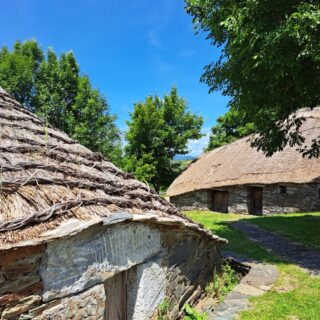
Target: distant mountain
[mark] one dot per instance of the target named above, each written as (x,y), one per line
(180,158)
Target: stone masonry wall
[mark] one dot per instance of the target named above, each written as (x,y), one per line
(20,284)
(191,262)
(76,263)
(65,279)
(238,199)
(197,200)
(298,198)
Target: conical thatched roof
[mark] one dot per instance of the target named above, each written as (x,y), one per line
(50,182)
(239,164)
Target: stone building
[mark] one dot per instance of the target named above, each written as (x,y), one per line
(237,178)
(80,239)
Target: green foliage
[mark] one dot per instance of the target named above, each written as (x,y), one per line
(144,168)
(222,283)
(229,128)
(192,314)
(158,130)
(91,122)
(163,309)
(269,63)
(55,90)
(18,69)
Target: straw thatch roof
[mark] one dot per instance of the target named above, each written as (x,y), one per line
(239,164)
(50,182)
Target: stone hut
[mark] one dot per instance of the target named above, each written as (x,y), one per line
(237,178)
(80,239)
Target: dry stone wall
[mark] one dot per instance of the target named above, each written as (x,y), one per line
(197,200)
(66,278)
(191,262)
(20,285)
(298,198)
(87,305)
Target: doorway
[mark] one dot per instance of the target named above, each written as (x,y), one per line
(255,200)
(220,201)
(116,297)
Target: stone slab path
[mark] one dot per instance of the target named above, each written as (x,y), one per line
(260,279)
(282,247)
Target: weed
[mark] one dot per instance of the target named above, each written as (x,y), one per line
(163,309)
(222,284)
(192,314)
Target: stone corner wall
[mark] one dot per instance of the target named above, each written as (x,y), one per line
(191,262)
(20,284)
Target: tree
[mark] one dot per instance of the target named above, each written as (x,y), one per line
(57,85)
(18,69)
(229,127)
(269,65)
(55,90)
(91,123)
(159,129)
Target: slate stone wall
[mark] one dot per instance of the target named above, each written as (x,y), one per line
(74,264)
(191,263)
(298,198)
(20,284)
(66,278)
(147,286)
(197,200)
(238,200)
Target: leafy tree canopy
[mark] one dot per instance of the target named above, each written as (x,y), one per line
(55,90)
(159,129)
(229,127)
(269,63)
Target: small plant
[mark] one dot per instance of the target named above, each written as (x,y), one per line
(222,284)
(192,314)
(163,309)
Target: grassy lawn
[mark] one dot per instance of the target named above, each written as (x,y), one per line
(296,295)
(303,228)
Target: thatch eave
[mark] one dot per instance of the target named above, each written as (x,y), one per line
(52,187)
(74,226)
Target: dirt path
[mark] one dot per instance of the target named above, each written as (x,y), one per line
(282,247)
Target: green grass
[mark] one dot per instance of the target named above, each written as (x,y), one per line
(296,295)
(301,227)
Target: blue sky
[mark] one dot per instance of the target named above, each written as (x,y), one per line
(129,49)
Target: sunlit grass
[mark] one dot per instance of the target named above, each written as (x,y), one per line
(301,227)
(296,295)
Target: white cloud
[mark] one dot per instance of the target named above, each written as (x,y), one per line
(196,146)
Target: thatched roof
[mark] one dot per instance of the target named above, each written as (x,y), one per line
(239,164)
(50,182)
